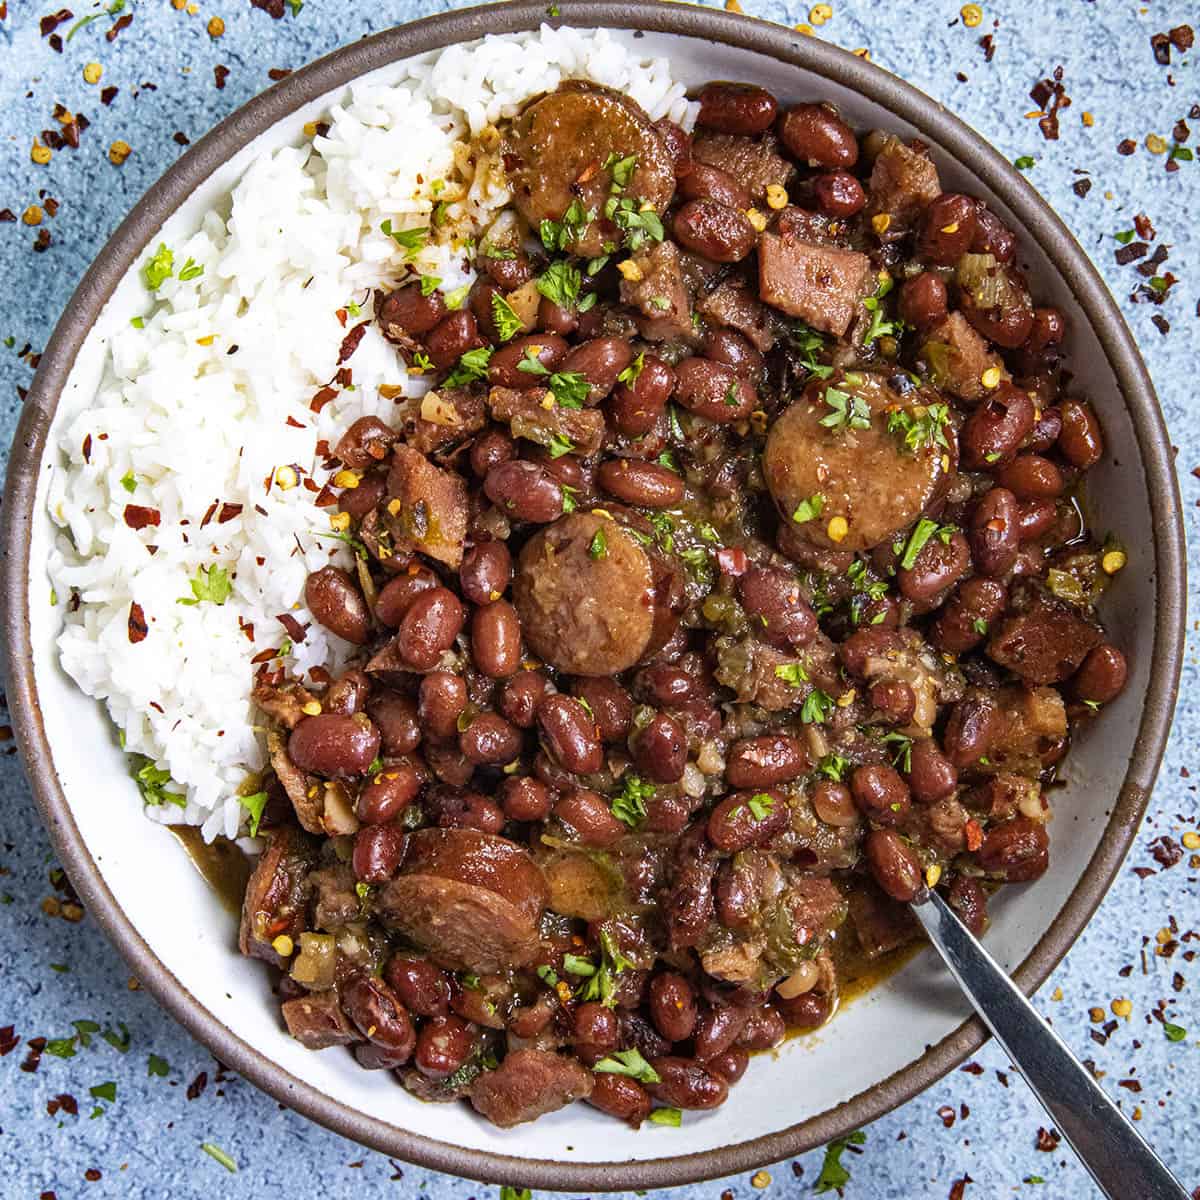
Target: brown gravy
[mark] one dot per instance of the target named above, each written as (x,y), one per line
(223,865)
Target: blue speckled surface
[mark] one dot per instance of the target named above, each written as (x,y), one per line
(147,1141)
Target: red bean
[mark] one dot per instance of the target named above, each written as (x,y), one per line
(490,740)
(406,313)
(637,407)
(429,628)
(599,360)
(969,900)
(423,988)
(894,699)
(995,532)
(973,727)
(731,1065)
(524,490)
(1081,442)
(443,1046)
(1046,428)
(672,1004)
(736,108)
(335,602)
(397,595)
(763,762)
(443,699)
(1102,676)
(596,1028)
(966,617)
(645,484)
(992,236)
(620,1097)
(520,696)
(711,183)
(587,812)
(1049,329)
(948,228)
(569,734)
(734,825)
(839,194)
(496,640)
(938,565)
(1031,477)
(378,850)
(779,613)
(504,367)
(510,272)
(486,572)
(993,433)
(712,390)
(466,810)
(863,645)
(347,694)
(661,749)
(880,793)
(714,231)
(396,718)
(931,775)
(380,1017)
(923,299)
(491,448)
(894,864)
(611,705)
(524,798)
(815,134)
(717,1030)
(1017,850)
(388,793)
(764,1029)
(1035,518)
(731,348)
(833,804)
(334,746)
(451,338)
(358,501)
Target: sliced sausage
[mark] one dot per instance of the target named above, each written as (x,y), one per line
(276,899)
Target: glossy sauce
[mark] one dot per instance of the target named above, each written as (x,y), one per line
(223,865)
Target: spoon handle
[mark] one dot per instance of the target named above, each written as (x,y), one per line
(1113,1151)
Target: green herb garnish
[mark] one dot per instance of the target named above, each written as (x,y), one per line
(792,673)
(160,268)
(471,366)
(409,240)
(599,546)
(191,270)
(211,586)
(810,509)
(254,805)
(816,707)
(560,283)
(849,412)
(629,804)
(834,1176)
(508,324)
(630,1063)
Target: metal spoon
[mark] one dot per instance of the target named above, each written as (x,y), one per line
(1115,1154)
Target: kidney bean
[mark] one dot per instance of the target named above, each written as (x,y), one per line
(666,686)
(525,490)
(717,1029)
(736,108)
(448,763)
(528,1020)
(993,433)
(731,348)
(595,1027)
(423,988)
(948,228)
(737,896)
(894,864)
(733,826)
(661,750)
(566,470)
(395,716)
(815,134)
(966,617)
(839,194)
(611,705)
(466,810)
(365,443)
(442,700)
(451,338)
(894,699)
(969,900)
(923,299)
(779,613)
(388,793)
(1035,518)
(358,501)
(764,1029)
(1017,850)
(880,793)
(1046,428)
(645,484)
(599,360)
(556,318)
(678,144)
(863,645)
(703,182)
(483,309)
(995,532)
(992,236)
(1049,329)
(334,746)
(931,775)
(973,727)
(496,640)
(490,739)
(672,1004)
(569,734)
(806,1011)
(396,596)
(1080,442)
(714,231)
(443,1046)
(406,313)
(375,1058)
(380,1017)
(508,273)
(491,448)
(378,850)
(763,762)
(504,366)
(1031,477)
(731,1065)
(484,1003)
(635,409)
(429,628)
(524,798)
(637,1031)
(938,566)
(1006,323)
(1102,675)
(833,804)
(335,602)
(712,390)
(348,693)
(620,1097)
(587,813)
(486,572)
(520,696)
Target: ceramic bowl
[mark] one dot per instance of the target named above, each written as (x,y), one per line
(883,1048)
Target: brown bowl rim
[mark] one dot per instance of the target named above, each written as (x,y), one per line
(949,135)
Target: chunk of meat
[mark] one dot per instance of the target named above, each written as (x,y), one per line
(556,150)
(533,414)
(881,923)
(822,285)
(903,656)
(335,902)
(733,304)
(527,1085)
(755,163)
(316,1021)
(734,960)
(760,674)
(472,900)
(426,507)
(866,476)
(276,900)
(958,357)
(904,181)
(1044,641)
(660,293)
(283,702)
(592,600)
(1034,721)
(442,418)
(307,801)
(813,908)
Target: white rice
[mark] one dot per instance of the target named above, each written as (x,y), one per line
(197,423)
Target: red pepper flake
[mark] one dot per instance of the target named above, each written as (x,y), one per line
(51,205)
(1144,872)
(296,424)
(1166,851)
(344,377)
(34,1058)
(220,74)
(273,8)
(64,1101)
(326,498)
(278,73)
(1130,1085)
(296,631)
(342,316)
(8,1040)
(1161,324)
(351,340)
(108,95)
(1048,1139)
(974,835)
(321,676)
(1050,95)
(1131,253)
(263,656)
(138,629)
(946,1113)
(1144,227)
(196,1087)
(988,43)
(50,23)
(1126,147)
(119,24)
(228,512)
(7,215)
(958,1188)
(87,448)
(180,138)
(92,1175)
(137,517)
(322,398)
(208,516)
(732,561)
(42,241)
(973,1068)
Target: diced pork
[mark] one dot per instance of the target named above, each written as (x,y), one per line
(533,414)
(821,285)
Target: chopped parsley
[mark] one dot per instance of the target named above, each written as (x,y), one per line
(138,322)
(558,235)
(922,532)
(731,395)
(1024,162)
(848,412)
(601,985)
(569,389)
(531,364)
(191,270)
(506,1192)
(573,964)
(667,459)
(761,805)
(922,426)
(666,1116)
(569,494)
(902,757)
(816,707)
(454,300)
(160,268)
(208,1148)
(1173,1033)
(629,376)
(807,341)
(211,585)
(596,265)
(508,324)
(833,766)
(560,283)
(629,804)
(834,1176)
(636,223)
(810,509)
(631,1063)
(1125,236)
(471,366)
(548,975)
(792,673)
(152,782)
(157,1066)
(497,253)
(430,284)
(558,446)
(879,326)
(599,546)
(129,482)
(354,308)
(104,1091)
(980,626)
(409,240)
(254,805)
(622,170)
(422,362)
(118,1041)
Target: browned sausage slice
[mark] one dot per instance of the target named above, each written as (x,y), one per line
(276,897)
(472,900)
(557,149)
(586,591)
(865,476)
(527,1085)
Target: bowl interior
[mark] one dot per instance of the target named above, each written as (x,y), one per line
(185,927)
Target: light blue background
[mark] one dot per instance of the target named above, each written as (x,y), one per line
(147,1143)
